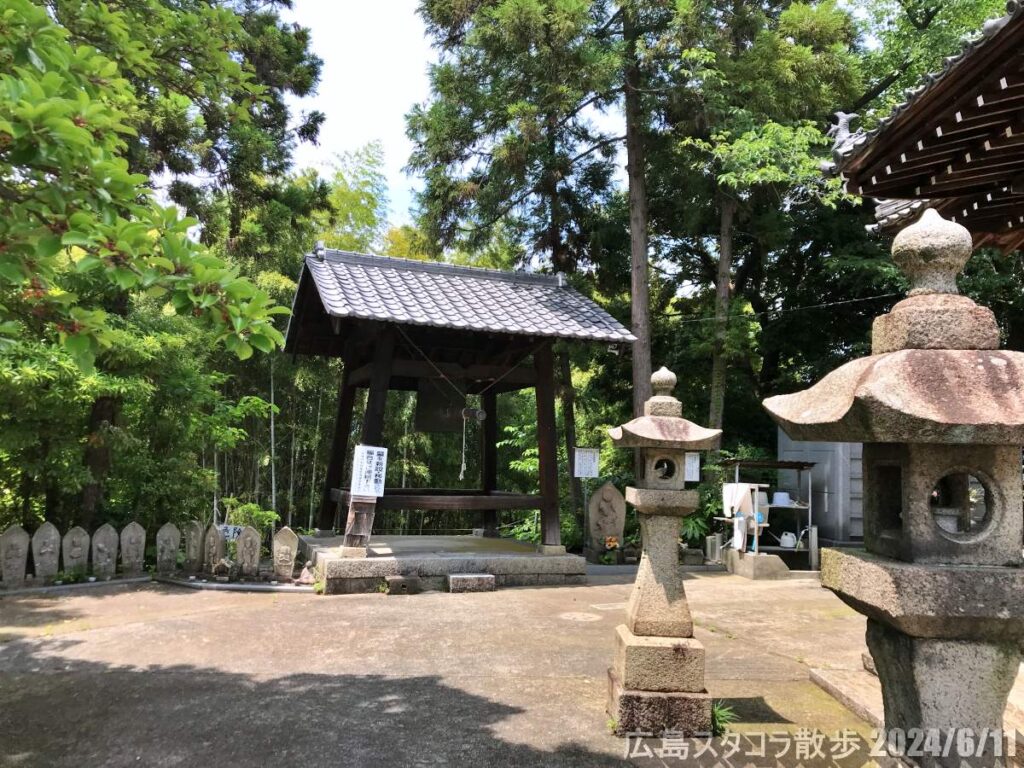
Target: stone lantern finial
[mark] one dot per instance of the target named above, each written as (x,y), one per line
(663,381)
(932,253)
(662,403)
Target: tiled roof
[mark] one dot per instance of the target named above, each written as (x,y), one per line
(448,296)
(895,213)
(849,146)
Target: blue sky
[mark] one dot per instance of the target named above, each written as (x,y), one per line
(375,59)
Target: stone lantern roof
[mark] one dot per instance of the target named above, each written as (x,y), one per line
(663,425)
(936,375)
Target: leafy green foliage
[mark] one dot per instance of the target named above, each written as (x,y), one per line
(78,225)
(509,136)
(237,513)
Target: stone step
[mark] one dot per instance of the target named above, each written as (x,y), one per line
(861,693)
(856,689)
(471,582)
(404,585)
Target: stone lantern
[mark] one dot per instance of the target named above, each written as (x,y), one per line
(657,680)
(940,411)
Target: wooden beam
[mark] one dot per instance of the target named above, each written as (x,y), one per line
(359,522)
(474,502)
(522,376)
(383,359)
(989,70)
(993,223)
(1015,245)
(987,152)
(339,451)
(489,453)
(547,440)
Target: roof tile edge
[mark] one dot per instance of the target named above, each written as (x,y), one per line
(436,267)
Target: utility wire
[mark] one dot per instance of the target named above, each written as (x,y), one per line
(712,318)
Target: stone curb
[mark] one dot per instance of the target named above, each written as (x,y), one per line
(842,691)
(80,585)
(234,586)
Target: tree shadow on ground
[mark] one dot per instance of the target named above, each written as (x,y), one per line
(58,711)
(754,709)
(31,612)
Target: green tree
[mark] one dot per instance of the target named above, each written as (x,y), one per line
(754,87)
(508,136)
(77,225)
(356,219)
(910,38)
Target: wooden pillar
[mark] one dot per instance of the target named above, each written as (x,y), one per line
(489,465)
(543,363)
(359,523)
(380,377)
(339,450)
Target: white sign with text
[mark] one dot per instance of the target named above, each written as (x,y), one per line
(369,466)
(587,461)
(231,532)
(692,469)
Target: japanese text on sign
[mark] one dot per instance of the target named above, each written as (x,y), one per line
(692,469)
(368,469)
(587,460)
(231,532)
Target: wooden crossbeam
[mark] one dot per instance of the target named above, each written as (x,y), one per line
(424,370)
(994,222)
(996,156)
(989,76)
(1007,153)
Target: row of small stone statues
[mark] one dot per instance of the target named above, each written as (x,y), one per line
(47,550)
(205,549)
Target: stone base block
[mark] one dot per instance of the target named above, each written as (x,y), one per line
(550,549)
(366,574)
(688,556)
(404,585)
(353,586)
(667,664)
(984,603)
(471,582)
(539,580)
(947,686)
(935,321)
(652,712)
(676,503)
(356,552)
(759,567)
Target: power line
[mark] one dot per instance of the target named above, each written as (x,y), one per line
(711,318)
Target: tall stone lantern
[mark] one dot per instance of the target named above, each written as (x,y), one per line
(657,680)
(940,411)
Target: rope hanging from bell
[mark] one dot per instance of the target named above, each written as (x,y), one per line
(475,414)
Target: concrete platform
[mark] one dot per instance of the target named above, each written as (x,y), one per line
(434,558)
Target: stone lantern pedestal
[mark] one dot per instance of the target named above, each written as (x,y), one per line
(656,682)
(940,410)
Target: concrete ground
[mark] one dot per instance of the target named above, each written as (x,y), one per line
(157,676)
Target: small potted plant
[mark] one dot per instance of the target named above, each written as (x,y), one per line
(611,550)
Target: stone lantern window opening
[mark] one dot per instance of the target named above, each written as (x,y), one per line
(664,468)
(888,497)
(961,505)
